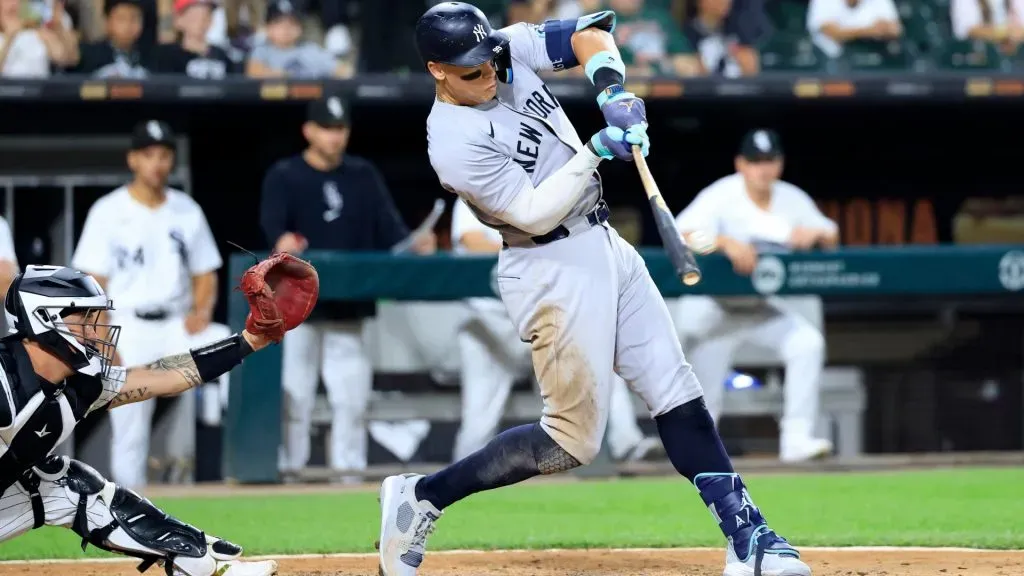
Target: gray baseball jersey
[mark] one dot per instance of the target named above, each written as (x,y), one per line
(486,153)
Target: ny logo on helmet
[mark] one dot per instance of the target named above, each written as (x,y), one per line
(479,33)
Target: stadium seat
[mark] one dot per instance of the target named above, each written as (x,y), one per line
(792,52)
(877,56)
(924,27)
(970,55)
(788,16)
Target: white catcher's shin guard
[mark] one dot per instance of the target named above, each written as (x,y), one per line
(74,495)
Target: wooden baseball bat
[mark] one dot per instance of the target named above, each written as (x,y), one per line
(678,252)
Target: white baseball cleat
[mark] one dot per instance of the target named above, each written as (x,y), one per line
(405,524)
(768,554)
(242,568)
(794,449)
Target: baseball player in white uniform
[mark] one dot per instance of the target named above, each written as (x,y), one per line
(746,213)
(492,357)
(151,249)
(579,294)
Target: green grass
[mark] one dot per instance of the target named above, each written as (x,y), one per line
(968,508)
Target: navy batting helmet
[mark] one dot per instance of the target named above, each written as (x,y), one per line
(459,34)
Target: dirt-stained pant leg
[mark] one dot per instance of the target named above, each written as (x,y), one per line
(647,351)
(562,298)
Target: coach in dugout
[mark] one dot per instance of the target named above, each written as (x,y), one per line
(747,213)
(325,199)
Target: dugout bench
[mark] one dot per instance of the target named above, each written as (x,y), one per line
(252,431)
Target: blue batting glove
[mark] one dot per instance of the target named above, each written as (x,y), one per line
(622,109)
(613,142)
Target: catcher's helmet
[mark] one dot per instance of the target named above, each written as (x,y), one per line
(459,34)
(38,305)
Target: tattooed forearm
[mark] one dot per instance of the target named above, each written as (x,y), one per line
(182,364)
(133,395)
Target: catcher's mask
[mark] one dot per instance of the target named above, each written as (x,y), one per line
(60,309)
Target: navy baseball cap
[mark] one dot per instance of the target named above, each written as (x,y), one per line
(760,145)
(328,112)
(283,9)
(152,133)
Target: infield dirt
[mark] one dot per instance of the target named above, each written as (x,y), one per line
(605,563)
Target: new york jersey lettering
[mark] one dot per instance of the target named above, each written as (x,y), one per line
(541,103)
(528,147)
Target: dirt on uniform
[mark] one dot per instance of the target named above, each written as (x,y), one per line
(605,563)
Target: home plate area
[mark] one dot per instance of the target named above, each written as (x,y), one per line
(647,562)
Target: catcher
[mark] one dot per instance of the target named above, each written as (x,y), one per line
(57,368)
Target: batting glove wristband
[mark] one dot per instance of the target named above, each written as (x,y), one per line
(622,109)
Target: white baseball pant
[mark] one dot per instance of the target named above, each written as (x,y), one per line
(716,331)
(589,306)
(142,342)
(492,358)
(335,352)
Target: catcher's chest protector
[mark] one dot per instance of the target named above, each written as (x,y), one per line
(35,415)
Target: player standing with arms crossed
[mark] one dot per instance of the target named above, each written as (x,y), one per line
(578,293)
(151,249)
(57,367)
(746,213)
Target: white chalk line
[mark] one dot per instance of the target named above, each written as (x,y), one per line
(362,555)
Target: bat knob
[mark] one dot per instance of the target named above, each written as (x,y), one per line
(691,278)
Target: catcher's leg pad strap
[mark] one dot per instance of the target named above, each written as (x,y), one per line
(217,358)
(118,520)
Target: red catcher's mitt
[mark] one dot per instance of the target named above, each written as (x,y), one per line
(281,291)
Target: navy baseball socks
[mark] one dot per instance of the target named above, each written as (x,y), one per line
(513,456)
(696,451)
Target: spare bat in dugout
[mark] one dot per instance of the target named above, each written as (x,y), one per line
(678,252)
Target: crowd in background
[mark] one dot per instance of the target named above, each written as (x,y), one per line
(211,39)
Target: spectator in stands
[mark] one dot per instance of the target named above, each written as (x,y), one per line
(725,33)
(325,199)
(493,357)
(283,54)
(650,41)
(1000,22)
(834,22)
(119,55)
(334,19)
(192,54)
(30,45)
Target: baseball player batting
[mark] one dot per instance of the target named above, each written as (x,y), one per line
(56,368)
(579,294)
